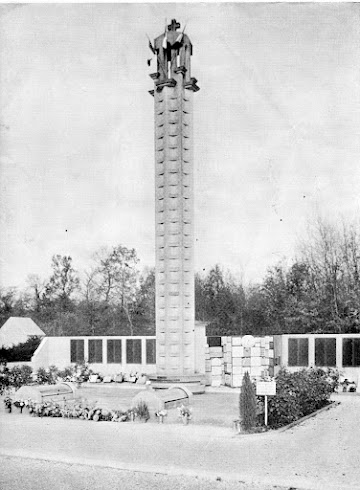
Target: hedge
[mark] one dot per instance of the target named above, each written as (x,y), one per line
(299,394)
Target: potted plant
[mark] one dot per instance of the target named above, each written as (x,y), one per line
(142,411)
(161,414)
(132,414)
(237,425)
(185,414)
(20,404)
(8,404)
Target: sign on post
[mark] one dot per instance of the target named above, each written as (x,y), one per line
(266,388)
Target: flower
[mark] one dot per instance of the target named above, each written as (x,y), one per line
(184,411)
(161,413)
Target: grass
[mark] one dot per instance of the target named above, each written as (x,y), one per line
(215,409)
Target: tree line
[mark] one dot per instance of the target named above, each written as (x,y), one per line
(319,291)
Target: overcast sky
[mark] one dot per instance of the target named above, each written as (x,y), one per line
(276,136)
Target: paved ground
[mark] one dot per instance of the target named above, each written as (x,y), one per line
(30,474)
(322,453)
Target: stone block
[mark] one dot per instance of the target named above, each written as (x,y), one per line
(216,371)
(237,351)
(246,362)
(237,370)
(216,352)
(255,361)
(264,361)
(236,341)
(256,371)
(247,352)
(237,361)
(256,352)
(216,361)
(207,365)
(227,357)
(271,353)
(107,379)
(228,379)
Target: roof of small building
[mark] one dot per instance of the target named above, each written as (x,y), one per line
(18,327)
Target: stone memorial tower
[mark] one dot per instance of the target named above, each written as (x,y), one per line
(176,338)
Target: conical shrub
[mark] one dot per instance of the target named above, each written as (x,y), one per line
(247,403)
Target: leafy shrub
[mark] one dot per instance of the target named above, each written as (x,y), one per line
(247,403)
(83,372)
(47,376)
(142,411)
(4,380)
(20,375)
(298,394)
(15,377)
(67,373)
(79,372)
(333,376)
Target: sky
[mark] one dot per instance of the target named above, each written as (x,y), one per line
(276,130)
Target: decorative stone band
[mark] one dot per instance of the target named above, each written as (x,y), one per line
(192,85)
(170,82)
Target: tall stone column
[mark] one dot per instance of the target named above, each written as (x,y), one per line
(174,208)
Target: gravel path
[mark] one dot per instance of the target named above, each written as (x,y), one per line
(321,453)
(30,474)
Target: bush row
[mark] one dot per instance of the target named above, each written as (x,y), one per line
(21,352)
(299,394)
(18,376)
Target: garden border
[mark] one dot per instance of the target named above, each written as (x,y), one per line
(308,416)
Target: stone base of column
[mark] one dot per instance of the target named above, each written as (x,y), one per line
(194,383)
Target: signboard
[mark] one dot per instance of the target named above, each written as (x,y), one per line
(265,388)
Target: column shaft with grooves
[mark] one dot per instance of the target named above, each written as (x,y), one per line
(174,230)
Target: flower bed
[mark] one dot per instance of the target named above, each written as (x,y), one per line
(85,410)
(77,410)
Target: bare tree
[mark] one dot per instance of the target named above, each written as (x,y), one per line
(116,279)
(332,255)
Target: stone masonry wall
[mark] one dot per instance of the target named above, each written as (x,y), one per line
(227,364)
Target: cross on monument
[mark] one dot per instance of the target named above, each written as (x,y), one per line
(174,25)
